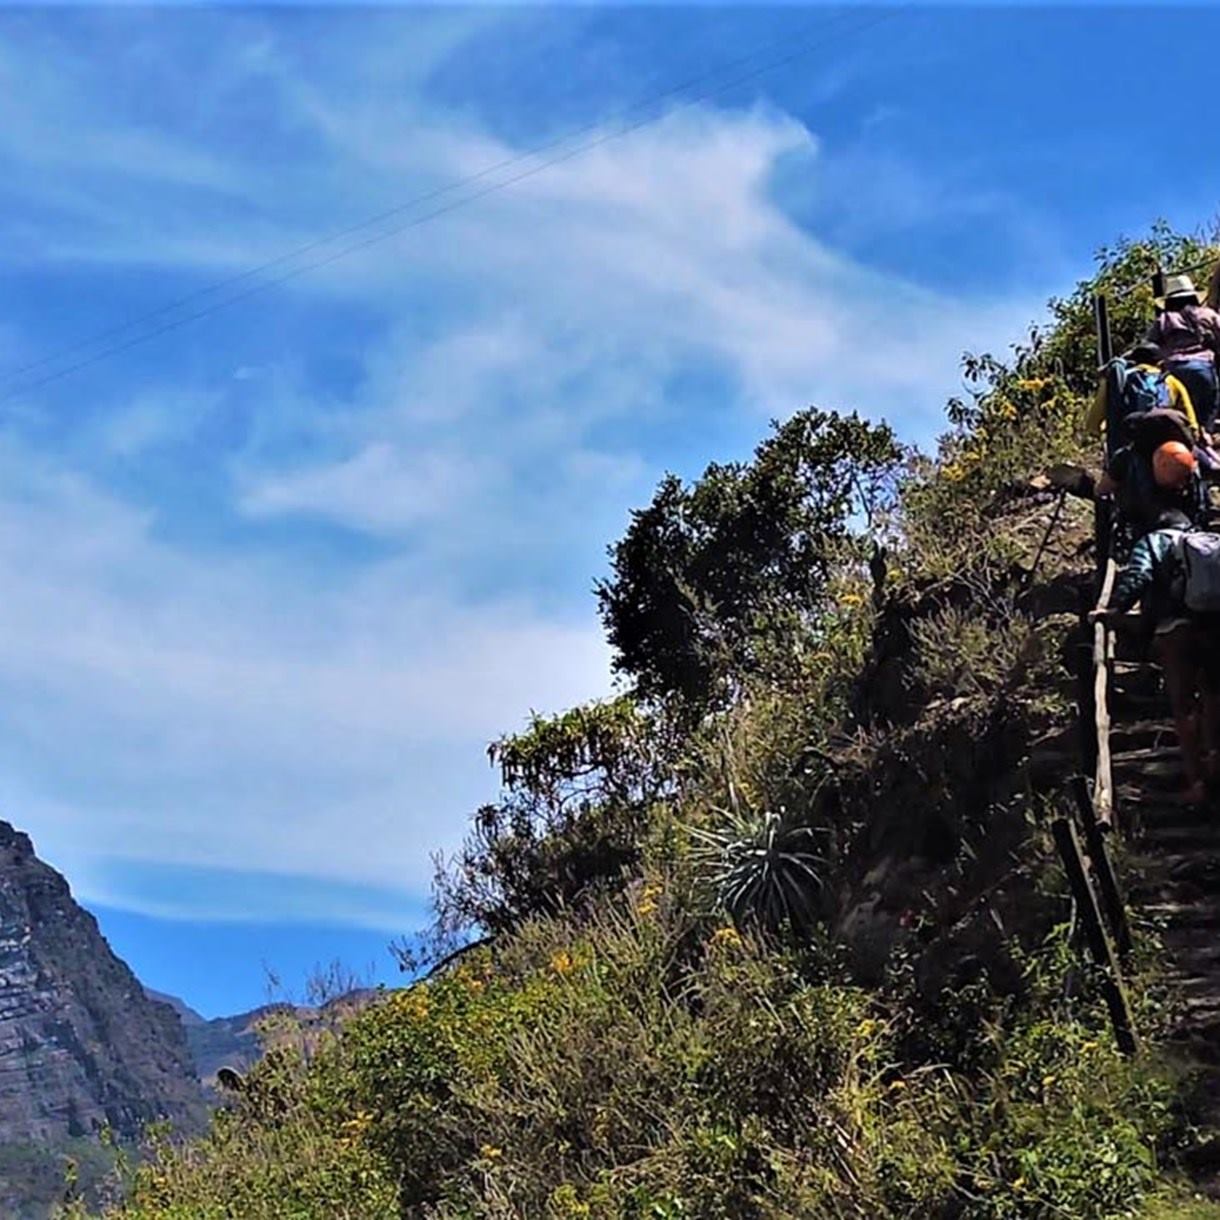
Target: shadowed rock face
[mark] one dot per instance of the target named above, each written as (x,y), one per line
(81,1045)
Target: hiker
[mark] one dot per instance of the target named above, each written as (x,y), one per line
(1155,470)
(1188,334)
(1174,572)
(1132,385)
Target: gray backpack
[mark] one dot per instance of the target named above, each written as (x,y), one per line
(1199,552)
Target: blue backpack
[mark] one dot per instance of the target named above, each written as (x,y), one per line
(1131,390)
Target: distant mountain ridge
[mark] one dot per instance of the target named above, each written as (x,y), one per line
(235,1041)
(217,1042)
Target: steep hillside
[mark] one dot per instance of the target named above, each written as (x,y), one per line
(782,930)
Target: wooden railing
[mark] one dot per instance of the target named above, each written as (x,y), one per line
(1103,802)
(1082,840)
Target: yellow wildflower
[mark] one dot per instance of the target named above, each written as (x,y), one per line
(489,1152)
(648,899)
(414,1003)
(354,1128)
(728,937)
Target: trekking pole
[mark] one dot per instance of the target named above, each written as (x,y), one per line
(1028,575)
(1103,522)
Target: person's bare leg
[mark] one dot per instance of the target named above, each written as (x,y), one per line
(1181,682)
(1209,719)
(1209,705)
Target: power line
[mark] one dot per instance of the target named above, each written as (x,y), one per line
(1131,289)
(360,226)
(355,247)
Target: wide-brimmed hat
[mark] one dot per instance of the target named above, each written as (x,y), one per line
(1178,286)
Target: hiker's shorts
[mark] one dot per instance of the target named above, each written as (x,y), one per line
(1207,641)
(1166,625)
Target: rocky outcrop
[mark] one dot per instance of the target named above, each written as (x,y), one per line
(81,1045)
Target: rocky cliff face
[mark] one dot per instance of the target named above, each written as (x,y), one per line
(81,1045)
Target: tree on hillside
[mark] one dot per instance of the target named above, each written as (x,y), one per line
(576,792)
(710,575)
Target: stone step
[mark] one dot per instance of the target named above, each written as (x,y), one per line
(1204,913)
(1202,1047)
(1157,817)
(1204,1009)
(1162,780)
(1147,756)
(1174,871)
(1129,676)
(1194,952)
(1182,871)
(1151,817)
(1132,704)
(1142,897)
(1185,841)
(1193,988)
(1132,792)
(1141,733)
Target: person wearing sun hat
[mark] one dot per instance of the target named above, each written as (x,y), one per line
(1188,334)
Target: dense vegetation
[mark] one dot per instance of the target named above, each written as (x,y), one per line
(779,931)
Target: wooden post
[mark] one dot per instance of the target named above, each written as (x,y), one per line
(1103,870)
(1158,283)
(1086,718)
(1103,664)
(1101,316)
(1100,945)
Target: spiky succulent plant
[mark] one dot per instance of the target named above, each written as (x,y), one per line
(762,868)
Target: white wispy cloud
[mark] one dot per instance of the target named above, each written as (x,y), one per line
(194,673)
(643,259)
(198,712)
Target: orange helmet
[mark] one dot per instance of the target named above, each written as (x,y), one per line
(1172,465)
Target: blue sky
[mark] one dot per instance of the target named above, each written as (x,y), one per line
(273,579)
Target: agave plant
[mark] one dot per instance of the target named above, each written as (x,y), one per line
(762,868)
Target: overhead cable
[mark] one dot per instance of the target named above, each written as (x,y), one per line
(801,50)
